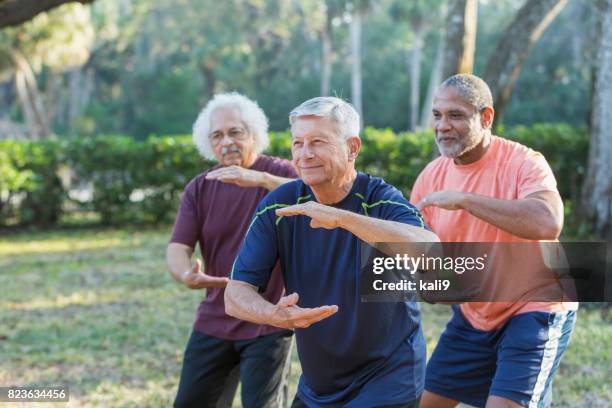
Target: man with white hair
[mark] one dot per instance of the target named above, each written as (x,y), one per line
(216,209)
(353,354)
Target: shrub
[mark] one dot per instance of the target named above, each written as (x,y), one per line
(141,182)
(37,181)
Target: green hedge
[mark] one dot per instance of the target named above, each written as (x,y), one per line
(117,166)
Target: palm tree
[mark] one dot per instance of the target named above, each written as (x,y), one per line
(419,14)
(358,9)
(598,188)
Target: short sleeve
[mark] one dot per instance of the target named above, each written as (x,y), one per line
(420,190)
(186,225)
(535,175)
(259,252)
(394,207)
(417,193)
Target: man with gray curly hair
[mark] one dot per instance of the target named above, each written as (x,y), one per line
(353,354)
(484,188)
(216,209)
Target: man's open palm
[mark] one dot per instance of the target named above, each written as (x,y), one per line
(196,279)
(288,315)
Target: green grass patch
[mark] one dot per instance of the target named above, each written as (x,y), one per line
(96,310)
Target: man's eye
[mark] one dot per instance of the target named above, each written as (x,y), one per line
(297,143)
(456,116)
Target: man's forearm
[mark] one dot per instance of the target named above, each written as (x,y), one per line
(373,230)
(242,301)
(178,260)
(270,181)
(528,218)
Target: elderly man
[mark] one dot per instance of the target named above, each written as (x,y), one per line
(353,354)
(216,209)
(487,189)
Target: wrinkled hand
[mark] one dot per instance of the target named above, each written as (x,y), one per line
(288,315)
(237,175)
(323,216)
(196,279)
(449,200)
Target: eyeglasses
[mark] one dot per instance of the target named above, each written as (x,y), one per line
(235,134)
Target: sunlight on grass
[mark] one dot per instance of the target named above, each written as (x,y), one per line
(146,394)
(50,242)
(51,247)
(88,297)
(96,309)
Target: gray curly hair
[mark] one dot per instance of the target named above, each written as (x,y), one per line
(472,88)
(253,118)
(341,112)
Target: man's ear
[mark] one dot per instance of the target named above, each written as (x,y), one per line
(486,117)
(354,145)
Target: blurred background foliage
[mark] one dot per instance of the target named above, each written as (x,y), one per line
(142,67)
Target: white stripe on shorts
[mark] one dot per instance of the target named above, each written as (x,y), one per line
(548,360)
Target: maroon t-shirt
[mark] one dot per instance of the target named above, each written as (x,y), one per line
(217,215)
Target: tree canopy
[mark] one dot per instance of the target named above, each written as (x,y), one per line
(141,67)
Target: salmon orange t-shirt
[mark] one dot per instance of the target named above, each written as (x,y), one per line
(507,171)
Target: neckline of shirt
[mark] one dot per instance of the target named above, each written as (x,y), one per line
(354,188)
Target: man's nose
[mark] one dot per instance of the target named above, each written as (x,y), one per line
(442,124)
(308,151)
(226,140)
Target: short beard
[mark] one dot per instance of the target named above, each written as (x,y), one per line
(458,149)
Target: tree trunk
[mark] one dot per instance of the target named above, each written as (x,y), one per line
(88,87)
(326,54)
(460,37)
(52,96)
(598,186)
(518,39)
(434,82)
(355,34)
(210,80)
(80,87)
(29,98)
(74,83)
(415,76)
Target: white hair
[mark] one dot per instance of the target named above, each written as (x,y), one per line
(253,118)
(341,112)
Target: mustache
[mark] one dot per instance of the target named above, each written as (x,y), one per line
(229,149)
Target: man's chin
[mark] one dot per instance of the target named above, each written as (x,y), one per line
(451,153)
(311,181)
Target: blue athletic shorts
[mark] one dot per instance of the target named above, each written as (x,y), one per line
(516,362)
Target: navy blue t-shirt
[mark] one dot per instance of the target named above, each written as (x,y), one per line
(367,354)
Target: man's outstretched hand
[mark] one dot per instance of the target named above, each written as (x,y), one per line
(196,279)
(323,216)
(448,200)
(237,175)
(288,315)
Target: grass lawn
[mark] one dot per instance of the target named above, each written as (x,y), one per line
(96,310)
